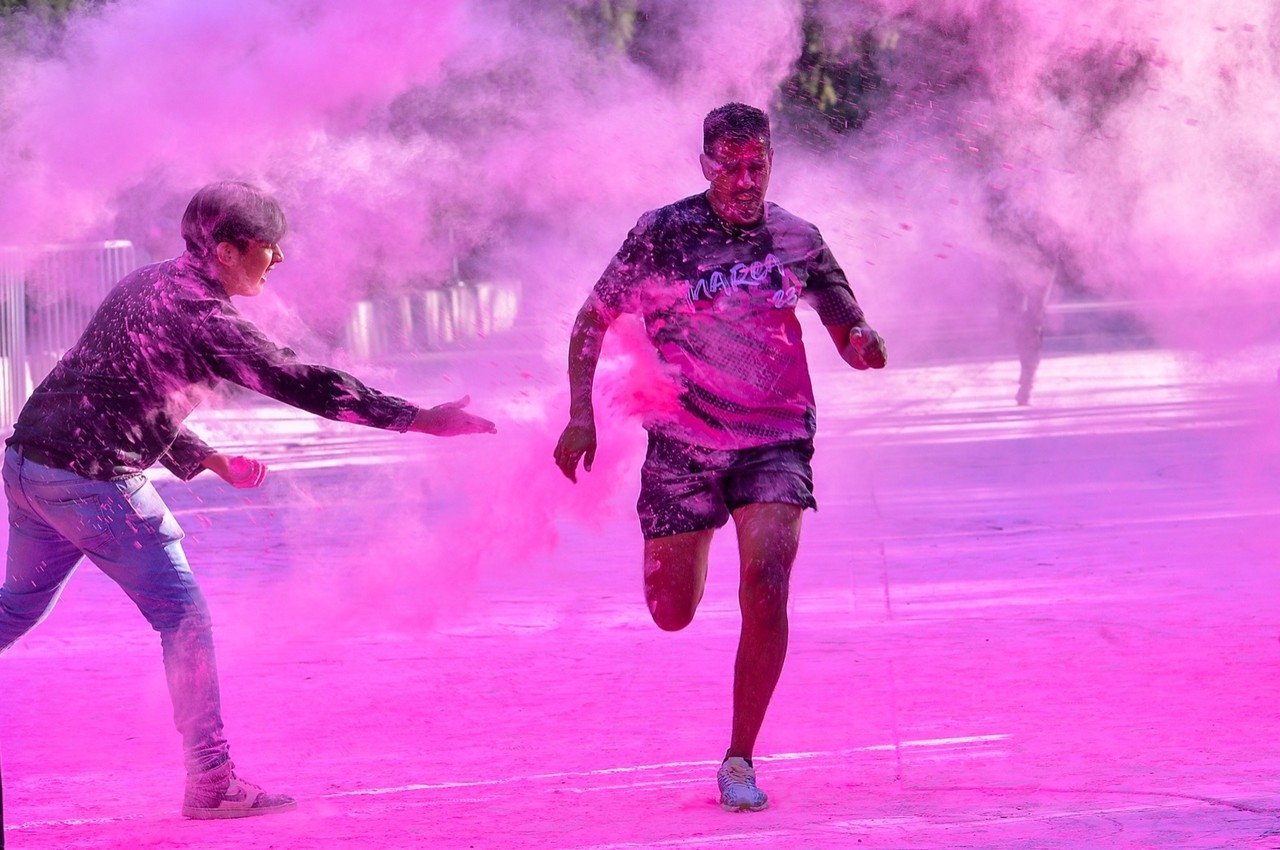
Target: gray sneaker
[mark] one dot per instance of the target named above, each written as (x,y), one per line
(219,793)
(738,791)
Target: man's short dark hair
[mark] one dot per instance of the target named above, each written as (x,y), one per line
(233,212)
(736,122)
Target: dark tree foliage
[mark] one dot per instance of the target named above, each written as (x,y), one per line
(833,85)
(647,33)
(830,91)
(609,24)
(38,26)
(49,9)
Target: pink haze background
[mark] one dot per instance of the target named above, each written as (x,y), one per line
(1135,139)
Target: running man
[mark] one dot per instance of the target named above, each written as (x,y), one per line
(717,277)
(114,405)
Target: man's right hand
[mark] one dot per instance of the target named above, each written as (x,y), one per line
(578,442)
(450,420)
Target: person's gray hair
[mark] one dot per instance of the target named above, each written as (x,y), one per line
(736,122)
(231,211)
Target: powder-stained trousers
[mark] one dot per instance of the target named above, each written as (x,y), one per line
(56,518)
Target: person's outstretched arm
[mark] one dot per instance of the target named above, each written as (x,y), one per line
(578,440)
(443,420)
(237,351)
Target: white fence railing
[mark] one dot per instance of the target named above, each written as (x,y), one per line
(430,319)
(47,295)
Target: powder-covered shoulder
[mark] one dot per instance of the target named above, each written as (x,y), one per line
(170,295)
(680,217)
(182,282)
(783,221)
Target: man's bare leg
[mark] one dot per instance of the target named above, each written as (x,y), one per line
(768,539)
(675,574)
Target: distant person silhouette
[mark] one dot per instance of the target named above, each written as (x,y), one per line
(1027,301)
(1039,259)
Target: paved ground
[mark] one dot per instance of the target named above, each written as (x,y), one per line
(1052,627)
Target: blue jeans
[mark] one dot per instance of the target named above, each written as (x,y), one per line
(124,527)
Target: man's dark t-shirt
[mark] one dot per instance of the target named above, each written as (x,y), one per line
(718,304)
(161,340)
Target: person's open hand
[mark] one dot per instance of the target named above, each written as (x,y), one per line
(239,471)
(577,442)
(450,420)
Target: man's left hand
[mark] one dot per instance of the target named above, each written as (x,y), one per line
(865,349)
(239,471)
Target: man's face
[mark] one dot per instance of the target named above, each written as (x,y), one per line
(739,176)
(245,272)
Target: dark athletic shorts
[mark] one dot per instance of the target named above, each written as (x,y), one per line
(690,488)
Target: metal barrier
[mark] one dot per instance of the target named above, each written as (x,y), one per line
(47,295)
(430,319)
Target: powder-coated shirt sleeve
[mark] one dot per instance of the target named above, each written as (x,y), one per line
(618,289)
(184,455)
(235,350)
(827,290)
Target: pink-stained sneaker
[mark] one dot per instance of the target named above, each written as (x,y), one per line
(219,793)
(738,791)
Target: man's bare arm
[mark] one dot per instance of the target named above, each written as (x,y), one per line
(578,441)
